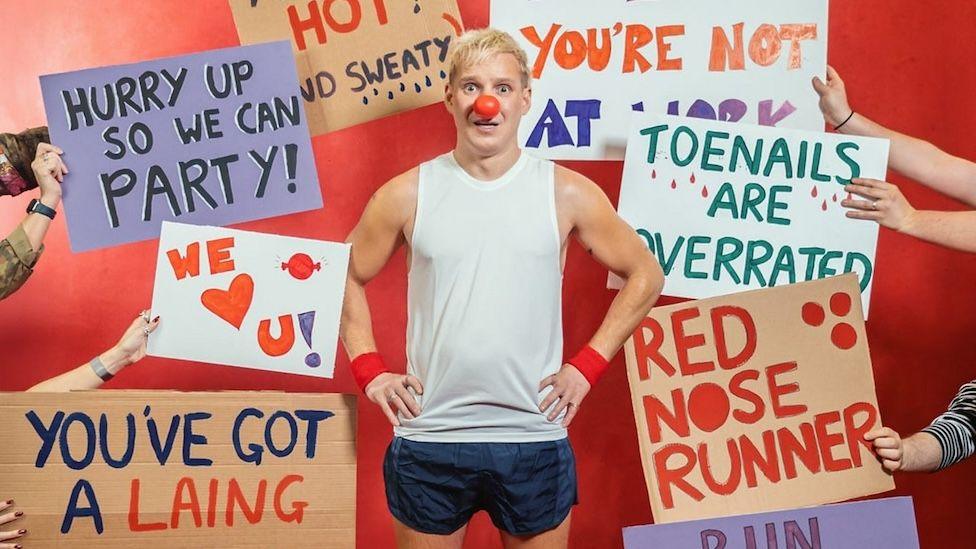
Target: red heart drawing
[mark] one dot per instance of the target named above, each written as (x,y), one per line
(231,304)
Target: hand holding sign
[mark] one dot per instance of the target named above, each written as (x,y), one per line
(885,204)
(7,518)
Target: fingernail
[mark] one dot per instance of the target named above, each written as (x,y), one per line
(22,532)
(19,514)
(10,502)
(156,319)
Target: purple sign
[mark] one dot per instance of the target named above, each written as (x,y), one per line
(888,523)
(211,139)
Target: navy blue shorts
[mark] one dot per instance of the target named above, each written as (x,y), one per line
(436,487)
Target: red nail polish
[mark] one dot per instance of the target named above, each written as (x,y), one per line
(10,502)
(18,514)
(156,319)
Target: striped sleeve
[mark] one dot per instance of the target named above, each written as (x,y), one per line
(956,429)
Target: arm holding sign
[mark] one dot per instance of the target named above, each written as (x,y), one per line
(585,211)
(378,234)
(914,158)
(20,251)
(130,349)
(950,438)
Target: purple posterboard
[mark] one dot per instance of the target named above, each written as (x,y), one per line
(888,523)
(211,139)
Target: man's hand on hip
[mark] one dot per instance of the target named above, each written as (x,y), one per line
(569,388)
(391,393)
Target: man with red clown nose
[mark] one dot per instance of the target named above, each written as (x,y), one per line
(480,417)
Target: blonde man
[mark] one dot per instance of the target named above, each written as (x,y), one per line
(480,417)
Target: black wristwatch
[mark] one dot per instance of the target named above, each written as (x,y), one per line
(36,206)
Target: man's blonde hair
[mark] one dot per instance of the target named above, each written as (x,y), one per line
(476,46)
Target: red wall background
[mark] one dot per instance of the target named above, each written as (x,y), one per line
(907,64)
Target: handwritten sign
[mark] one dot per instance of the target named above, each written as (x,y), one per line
(248,299)
(216,137)
(358,60)
(729,207)
(164,469)
(595,62)
(886,523)
(754,402)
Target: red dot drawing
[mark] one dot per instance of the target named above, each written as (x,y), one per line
(653,174)
(813,314)
(674,184)
(813,193)
(704,192)
(708,406)
(692,179)
(301,266)
(842,335)
(824,206)
(840,304)
(834,198)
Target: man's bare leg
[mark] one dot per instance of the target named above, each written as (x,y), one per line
(408,538)
(557,538)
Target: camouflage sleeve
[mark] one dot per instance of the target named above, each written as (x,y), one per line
(17,259)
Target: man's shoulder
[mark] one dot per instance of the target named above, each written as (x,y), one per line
(401,189)
(573,187)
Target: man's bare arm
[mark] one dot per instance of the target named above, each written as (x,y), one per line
(375,238)
(614,244)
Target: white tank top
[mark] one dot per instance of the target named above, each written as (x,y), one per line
(484,303)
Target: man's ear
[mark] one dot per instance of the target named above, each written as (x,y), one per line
(448,97)
(526,100)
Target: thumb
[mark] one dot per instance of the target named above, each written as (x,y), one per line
(819,86)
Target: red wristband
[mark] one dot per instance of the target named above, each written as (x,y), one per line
(366,367)
(590,363)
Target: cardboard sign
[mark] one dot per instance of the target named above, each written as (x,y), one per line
(729,207)
(888,523)
(248,299)
(358,60)
(163,469)
(212,138)
(593,63)
(755,402)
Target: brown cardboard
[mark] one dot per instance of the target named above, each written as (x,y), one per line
(827,380)
(357,31)
(328,482)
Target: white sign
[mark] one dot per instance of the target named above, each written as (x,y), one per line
(593,63)
(731,207)
(248,299)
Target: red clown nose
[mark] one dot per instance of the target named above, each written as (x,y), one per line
(487,106)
